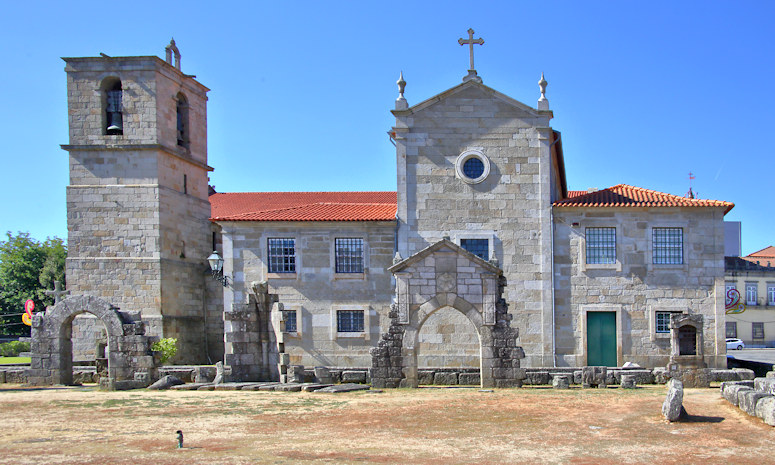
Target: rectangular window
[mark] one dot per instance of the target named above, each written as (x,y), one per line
(730,287)
(601,245)
(758,330)
(750,293)
(668,246)
(478,247)
(282,255)
(290,321)
(349,321)
(348,255)
(770,294)
(663,321)
(732,329)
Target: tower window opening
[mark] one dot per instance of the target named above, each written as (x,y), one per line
(182,120)
(114,120)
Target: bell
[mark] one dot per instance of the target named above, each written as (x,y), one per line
(114,121)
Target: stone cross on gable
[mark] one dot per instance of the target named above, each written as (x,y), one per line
(58,292)
(471,41)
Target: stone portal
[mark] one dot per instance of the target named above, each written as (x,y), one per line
(129,356)
(445,275)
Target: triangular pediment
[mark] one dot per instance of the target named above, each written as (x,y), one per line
(477,90)
(444,245)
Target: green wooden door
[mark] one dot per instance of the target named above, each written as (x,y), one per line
(601,339)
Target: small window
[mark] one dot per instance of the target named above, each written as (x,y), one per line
(478,247)
(348,255)
(473,168)
(757,330)
(663,321)
(732,329)
(182,120)
(668,246)
(750,293)
(601,245)
(282,255)
(770,294)
(290,321)
(349,321)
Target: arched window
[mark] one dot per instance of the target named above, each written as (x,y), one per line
(113,123)
(182,111)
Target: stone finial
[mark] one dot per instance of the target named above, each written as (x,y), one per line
(401,103)
(493,258)
(170,50)
(397,258)
(543,103)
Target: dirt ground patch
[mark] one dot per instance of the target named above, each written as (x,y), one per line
(81,425)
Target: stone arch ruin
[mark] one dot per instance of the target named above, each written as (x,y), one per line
(445,275)
(129,354)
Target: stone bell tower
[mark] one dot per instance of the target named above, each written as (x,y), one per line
(137,203)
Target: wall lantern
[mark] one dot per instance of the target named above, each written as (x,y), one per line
(216,266)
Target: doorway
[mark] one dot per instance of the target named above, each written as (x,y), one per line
(601,339)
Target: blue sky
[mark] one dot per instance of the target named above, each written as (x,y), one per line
(643,92)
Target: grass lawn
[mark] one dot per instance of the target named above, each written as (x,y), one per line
(11,360)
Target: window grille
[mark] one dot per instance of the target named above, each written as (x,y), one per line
(473,168)
(771,294)
(601,245)
(758,330)
(349,321)
(478,247)
(663,321)
(750,293)
(731,329)
(349,255)
(290,321)
(282,255)
(668,246)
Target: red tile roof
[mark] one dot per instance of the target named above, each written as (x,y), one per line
(303,206)
(764,257)
(767,252)
(623,195)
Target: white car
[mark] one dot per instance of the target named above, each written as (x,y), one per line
(735,344)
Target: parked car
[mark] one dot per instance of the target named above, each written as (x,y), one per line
(735,344)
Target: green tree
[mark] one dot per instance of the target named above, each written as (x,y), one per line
(27,269)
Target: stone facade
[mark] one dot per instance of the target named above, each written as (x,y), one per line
(511,207)
(479,268)
(634,288)
(315,293)
(138,197)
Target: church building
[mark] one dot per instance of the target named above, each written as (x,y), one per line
(481,235)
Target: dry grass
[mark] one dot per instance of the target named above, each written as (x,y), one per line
(425,426)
